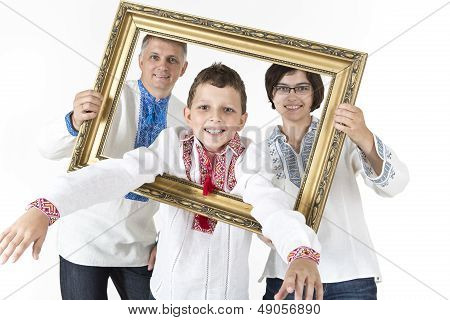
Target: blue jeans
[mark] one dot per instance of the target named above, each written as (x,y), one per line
(357,289)
(90,283)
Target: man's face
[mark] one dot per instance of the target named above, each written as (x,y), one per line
(162,62)
(293,106)
(215,116)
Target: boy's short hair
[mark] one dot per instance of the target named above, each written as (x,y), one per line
(276,72)
(148,37)
(220,76)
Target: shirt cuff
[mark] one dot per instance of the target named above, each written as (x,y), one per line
(135,197)
(73,132)
(304,253)
(47,208)
(387,172)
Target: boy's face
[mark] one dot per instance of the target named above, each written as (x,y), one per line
(215,115)
(162,63)
(291,105)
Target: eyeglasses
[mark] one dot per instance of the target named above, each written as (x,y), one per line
(303,89)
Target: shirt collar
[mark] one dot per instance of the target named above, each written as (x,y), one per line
(149,96)
(234,144)
(278,134)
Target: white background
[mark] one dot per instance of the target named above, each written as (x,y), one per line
(49,50)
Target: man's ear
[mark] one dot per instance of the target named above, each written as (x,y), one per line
(183,70)
(244,117)
(141,62)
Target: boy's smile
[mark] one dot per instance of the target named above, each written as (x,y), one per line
(215,116)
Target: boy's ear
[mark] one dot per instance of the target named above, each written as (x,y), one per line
(187,115)
(244,117)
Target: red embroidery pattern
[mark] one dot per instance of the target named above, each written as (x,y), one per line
(187,150)
(211,175)
(304,253)
(47,208)
(205,163)
(204,224)
(220,169)
(231,179)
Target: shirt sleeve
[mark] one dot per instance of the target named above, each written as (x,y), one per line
(47,208)
(57,139)
(70,128)
(109,179)
(272,208)
(394,175)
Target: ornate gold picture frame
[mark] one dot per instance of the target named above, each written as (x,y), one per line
(343,66)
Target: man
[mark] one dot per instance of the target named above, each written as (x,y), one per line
(118,248)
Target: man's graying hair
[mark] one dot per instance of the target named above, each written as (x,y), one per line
(148,37)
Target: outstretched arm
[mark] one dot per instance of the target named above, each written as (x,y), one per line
(104,181)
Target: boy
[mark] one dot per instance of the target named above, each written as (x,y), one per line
(197,258)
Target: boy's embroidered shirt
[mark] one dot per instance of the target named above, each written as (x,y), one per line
(47,208)
(152,120)
(192,264)
(214,173)
(304,253)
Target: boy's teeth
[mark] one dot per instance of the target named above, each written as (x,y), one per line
(292,107)
(214,131)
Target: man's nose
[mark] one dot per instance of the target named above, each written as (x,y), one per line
(163,64)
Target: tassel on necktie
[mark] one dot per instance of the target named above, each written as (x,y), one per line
(208,186)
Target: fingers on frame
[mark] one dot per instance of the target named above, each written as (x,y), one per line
(343,120)
(345,113)
(88,116)
(349,107)
(88,93)
(89,107)
(88,99)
